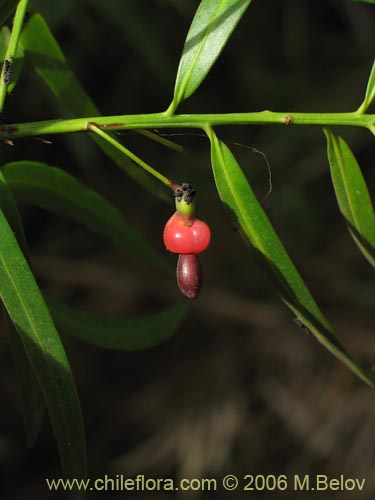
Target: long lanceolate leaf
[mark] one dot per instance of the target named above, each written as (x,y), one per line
(28,311)
(210,30)
(127,334)
(32,399)
(237,195)
(55,190)
(352,194)
(48,60)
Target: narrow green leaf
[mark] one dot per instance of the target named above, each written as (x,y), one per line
(55,190)
(6,9)
(365,1)
(31,395)
(370,91)
(256,229)
(32,399)
(28,311)
(212,26)
(44,53)
(127,334)
(352,194)
(17,63)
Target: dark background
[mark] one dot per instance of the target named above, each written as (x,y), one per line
(239,388)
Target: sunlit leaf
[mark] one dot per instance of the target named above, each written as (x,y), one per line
(212,26)
(352,194)
(256,229)
(127,334)
(55,190)
(17,62)
(32,399)
(26,307)
(42,49)
(370,90)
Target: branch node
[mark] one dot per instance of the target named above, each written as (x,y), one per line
(89,126)
(288,120)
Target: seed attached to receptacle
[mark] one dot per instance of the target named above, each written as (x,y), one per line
(187,236)
(189,275)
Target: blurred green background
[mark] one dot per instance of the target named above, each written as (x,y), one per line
(240,388)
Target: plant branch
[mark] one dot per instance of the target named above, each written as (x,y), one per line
(11,51)
(201,121)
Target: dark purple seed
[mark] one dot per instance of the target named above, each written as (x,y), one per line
(189,275)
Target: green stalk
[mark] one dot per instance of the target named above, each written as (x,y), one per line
(12,47)
(93,127)
(201,121)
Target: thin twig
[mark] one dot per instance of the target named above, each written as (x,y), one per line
(93,127)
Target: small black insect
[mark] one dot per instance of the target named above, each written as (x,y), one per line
(188,192)
(184,192)
(8,69)
(301,325)
(178,193)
